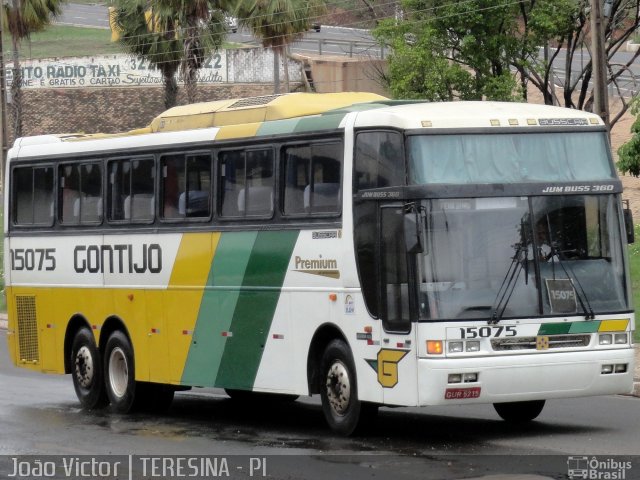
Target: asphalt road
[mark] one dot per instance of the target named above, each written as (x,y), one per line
(39,414)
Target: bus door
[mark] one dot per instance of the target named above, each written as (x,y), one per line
(397,358)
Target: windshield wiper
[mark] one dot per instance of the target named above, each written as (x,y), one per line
(588,311)
(520,258)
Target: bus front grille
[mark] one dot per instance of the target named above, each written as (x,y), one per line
(27,329)
(533,343)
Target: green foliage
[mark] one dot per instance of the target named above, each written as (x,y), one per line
(629,153)
(466,49)
(170,34)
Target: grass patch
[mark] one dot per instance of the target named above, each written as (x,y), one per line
(64,41)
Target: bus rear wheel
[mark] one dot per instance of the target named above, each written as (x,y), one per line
(86,371)
(343,411)
(119,372)
(519,412)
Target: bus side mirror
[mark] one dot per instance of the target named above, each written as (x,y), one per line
(628,225)
(412,237)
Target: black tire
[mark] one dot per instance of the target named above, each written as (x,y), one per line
(119,373)
(342,410)
(519,412)
(86,371)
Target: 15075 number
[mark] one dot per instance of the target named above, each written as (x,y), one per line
(486,332)
(33,259)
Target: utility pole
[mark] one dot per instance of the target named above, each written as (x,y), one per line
(598,62)
(3,109)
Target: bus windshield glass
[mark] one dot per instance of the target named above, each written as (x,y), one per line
(509,158)
(511,257)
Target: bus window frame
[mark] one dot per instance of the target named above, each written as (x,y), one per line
(219,179)
(97,160)
(12,200)
(309,142)
(159,184)
(124,222)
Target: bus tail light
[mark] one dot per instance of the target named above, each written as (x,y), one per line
(434,347)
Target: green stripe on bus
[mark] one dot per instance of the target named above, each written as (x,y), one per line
(255,308)
(277,127)
(323,122)
(554,328)
(585,327)
(218,305)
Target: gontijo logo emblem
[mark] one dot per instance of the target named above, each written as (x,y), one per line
(386,365)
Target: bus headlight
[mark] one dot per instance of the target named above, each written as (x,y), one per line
(621,338)
(455,347)
(473,346)
(605,339)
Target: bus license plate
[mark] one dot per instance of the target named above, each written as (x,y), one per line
(461,393)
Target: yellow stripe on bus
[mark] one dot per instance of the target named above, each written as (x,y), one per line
(181,303)
(238,131)
(614,325)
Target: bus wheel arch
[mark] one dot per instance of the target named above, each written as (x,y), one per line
(324,335)
(85,365)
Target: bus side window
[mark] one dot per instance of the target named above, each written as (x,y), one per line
(131,188)
(80,193)
(379,160)
(33,196)
(186,186)
(247,183)
(312,179)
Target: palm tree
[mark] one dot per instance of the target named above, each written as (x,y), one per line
(147,34)
(201,30)
(278,23)
(22,18)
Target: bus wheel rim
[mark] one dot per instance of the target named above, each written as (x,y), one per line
(118,372)
(84,367)
(338,387)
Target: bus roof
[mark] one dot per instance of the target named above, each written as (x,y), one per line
(454,115)
(309,112)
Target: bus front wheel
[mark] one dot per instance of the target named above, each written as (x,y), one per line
(339,391)
(519,412)
(86,371)
(119,372)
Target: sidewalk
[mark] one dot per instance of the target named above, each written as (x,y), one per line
(636,376)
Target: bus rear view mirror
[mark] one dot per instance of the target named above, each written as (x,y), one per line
(412,237)
(628,224)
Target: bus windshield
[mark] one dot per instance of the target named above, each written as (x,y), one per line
(514,257)
(509,158)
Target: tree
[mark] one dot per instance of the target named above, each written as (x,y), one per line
(22,18)
(170,35)
(278,23)
(629,153)
(491,49)
(152,37)
(201,30)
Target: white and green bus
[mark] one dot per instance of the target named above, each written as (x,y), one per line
(373,252)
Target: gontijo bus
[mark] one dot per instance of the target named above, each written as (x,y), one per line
(370,251)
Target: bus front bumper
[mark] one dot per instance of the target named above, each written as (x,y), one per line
(536,376)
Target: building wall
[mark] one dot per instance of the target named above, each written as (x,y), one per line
(110,110)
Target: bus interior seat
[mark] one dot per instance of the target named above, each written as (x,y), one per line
(257,201)
(198,203)
(139,207)
(325,197)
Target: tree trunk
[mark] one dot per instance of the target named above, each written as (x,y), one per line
(285,66)
(276,71)
(170,87)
